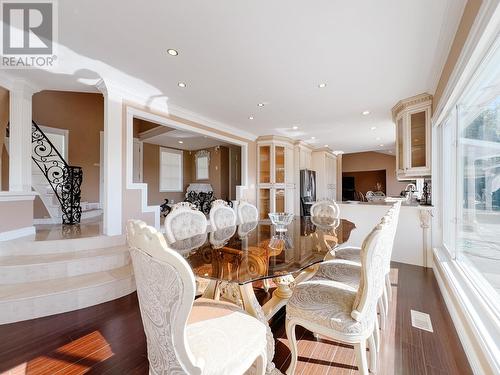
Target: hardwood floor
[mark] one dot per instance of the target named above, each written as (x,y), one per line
(109,338)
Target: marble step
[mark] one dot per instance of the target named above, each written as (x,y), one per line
(37,299)
(28,268)
(27,245)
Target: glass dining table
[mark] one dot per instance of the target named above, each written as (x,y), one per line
(231,259)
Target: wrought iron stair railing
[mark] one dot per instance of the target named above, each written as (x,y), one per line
(65,180)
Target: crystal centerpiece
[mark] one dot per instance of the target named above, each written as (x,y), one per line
(281,220)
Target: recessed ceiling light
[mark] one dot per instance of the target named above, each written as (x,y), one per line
(322,85)
(260,105)
(373,128)
(313,137)
(181,84)
(381,145)
(326,145)
(250,117)
(181,142)
(172,52)
(365,113)
(295,127)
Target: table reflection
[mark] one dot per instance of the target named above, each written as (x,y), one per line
(255,251)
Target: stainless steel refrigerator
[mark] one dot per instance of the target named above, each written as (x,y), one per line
(307,190)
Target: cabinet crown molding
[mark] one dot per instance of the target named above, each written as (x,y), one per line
(403,104)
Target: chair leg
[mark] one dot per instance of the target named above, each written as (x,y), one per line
(373,354)
(360,352)
(266,285)
(381,311)
(261,363)
(292,341)
(376,335)
(386,302)
(388,286)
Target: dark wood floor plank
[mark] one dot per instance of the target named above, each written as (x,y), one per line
(109,338)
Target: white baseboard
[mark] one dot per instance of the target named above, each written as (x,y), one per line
(17,233)
(464,314)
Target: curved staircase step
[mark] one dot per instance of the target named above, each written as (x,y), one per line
(27,246)
(42,298)
(28,268)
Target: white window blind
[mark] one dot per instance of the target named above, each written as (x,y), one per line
(170,170)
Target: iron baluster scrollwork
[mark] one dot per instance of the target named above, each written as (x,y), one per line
(64,179)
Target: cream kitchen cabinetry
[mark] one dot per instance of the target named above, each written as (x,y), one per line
(412,117)
(325,165)
(275,175)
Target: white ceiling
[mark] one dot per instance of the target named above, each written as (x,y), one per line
(190,141)
(236,54)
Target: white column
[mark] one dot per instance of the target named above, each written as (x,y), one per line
(113,166)
(20,137)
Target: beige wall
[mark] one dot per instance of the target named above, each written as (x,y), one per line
(468,17)
(218,173)
(372,161)
(83,115)
(23,215)
(4,157)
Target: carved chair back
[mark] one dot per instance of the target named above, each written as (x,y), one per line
(221,215)
(184,221)
(325,208)
(166,289)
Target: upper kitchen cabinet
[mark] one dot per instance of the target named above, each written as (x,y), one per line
(325,165)
(412,118)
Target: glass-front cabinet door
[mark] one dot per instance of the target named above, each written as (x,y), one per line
(413,123)
(265,164)
(275,177)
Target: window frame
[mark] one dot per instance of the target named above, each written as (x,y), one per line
(180,188)
(199,155)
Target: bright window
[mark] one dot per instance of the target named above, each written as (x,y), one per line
(202,162)
(171,178)
(471,178)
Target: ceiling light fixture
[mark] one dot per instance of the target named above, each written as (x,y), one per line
(373,128)
(313,137)
(381,145)
(295,127)
(326,145)
(250,117)
(260,105)
(322,85)
(172,52)
(181,84)
(181,142)
(365,113)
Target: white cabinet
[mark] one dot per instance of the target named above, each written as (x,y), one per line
(275,175)
(325,165)
(412,118)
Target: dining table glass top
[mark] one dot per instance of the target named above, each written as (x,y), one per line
(255,251)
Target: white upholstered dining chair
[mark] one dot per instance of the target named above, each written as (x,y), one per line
(221,215)
(346,262)
(325,208)
(204,337)
(327,307)
(247,213)
(184,221)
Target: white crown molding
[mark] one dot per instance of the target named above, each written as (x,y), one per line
(483,33)
(202,120)
(20,85)
(13,196)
